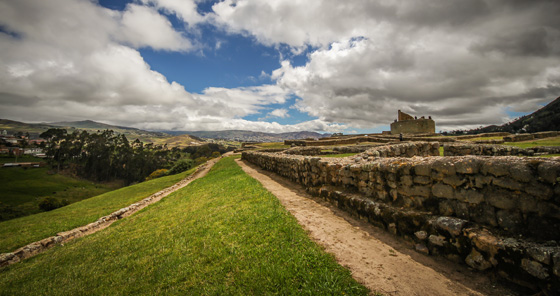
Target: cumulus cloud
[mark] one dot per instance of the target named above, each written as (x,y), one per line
(463,62)
(74,60)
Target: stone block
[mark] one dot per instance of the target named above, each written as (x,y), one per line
(454,180)
(509,220)
(421,248)
(501,199)
(406,180)
(447,207)
(534,268)
(451,225)
(477,261)
(421,235)
(508,183)
(548,171)
(471,196)
(442,190)
(539,190)
(444,166)
(467,166)
(423,191)
(496,168)
(422,169)
(521,172)
(484,213)
(542,254)
(422,180)
(437,240)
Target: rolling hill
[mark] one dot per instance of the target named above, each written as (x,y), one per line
(546,118)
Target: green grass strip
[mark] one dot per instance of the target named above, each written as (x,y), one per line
(18,232)
(224,234)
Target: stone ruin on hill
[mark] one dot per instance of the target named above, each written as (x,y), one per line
(406,124)
(492,212)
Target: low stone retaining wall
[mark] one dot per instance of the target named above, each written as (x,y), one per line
(483,135)
(460,149)
(512,196)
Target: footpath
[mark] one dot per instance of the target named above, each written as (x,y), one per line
(376,259)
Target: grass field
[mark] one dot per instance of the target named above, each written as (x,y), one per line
(21,231)
(22,189)
(541,142)
(221,235)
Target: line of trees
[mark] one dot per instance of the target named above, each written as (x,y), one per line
(105,156)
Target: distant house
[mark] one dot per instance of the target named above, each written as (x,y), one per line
(33,151)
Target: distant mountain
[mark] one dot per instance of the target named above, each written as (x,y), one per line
(249,136)
(545,119)
(35,129)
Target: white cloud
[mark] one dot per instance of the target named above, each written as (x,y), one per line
(186,10)
(282,113)
(463,62)
(144,27)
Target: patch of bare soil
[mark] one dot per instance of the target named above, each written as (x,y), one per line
(378,260)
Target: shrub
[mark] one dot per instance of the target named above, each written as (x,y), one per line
(50,203)
(201,160)
(156,174)
(181,166)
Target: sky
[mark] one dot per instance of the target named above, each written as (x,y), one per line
(277,65)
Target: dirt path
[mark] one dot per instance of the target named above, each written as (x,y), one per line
(376,259)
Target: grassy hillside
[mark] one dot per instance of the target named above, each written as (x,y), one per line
(545,119)
(180,141)
(221,235)
(23,189)
(21,231)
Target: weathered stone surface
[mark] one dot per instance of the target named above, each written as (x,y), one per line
(471,196)
(453,226)
(454,180)
(502,200)
(556,267)
(534,268)
(509,220)
(422,170)
(442,190)
(477,261)
(422,249)
(437,240)
(548,172)
(508,183)
(542,254)
(422,180)
(421,235)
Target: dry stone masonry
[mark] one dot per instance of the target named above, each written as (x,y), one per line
(499,213)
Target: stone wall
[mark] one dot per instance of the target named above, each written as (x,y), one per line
(461,149)
(484,211)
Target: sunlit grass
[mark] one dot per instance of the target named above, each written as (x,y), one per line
(21,231)
(221,235)
(533,143)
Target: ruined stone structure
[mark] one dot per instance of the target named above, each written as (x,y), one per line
(406,124)
(498,213)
